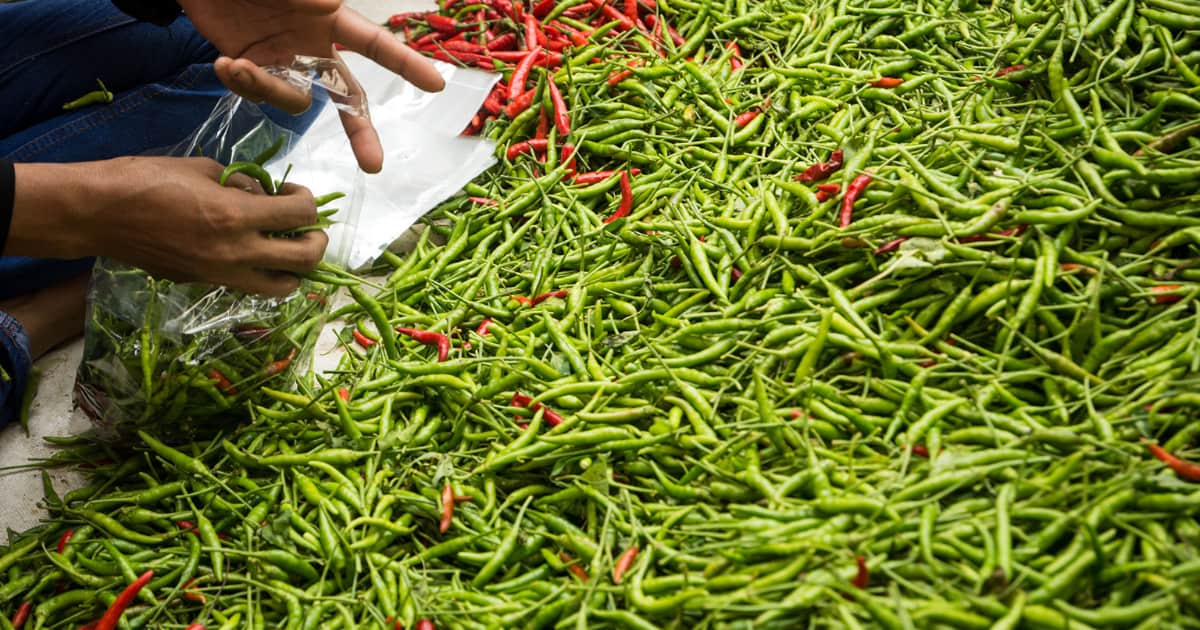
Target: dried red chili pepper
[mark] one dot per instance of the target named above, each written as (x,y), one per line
(853,191)
(626,205)
(1186,470)
(429,338)
(111,616)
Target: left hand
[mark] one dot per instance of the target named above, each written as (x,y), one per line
(251,34)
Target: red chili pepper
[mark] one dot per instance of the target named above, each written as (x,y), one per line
(1166,293)
(822,170)
(887,82)
(568,158)
(1186,470)
(519,104)
(316,297)
(251,334)
(400,20)
(277,367)
(523,401)
(482,330)
(1009,70)
(631,10)
(483,201)
(890,246)
(619,76)
(595,177)
(578,38)
(522,300)
(22,614)
(623,20)
(825,192)
(920,451)
(516,86)
(464,58)
(626,205)
(223,383)
(1069,267)
(562,121)
(855,189)
(543,125)
(344,394)
(538,146)
(735,60)
(441,23)
(447,508)
(111,616)
(743,119)
(188,527)
(624,563)
(195,626)
(64,539)
(735,274)
(191,595)
(542,8)
(560,294)
(430,339)
(363,340)
(426,624)
(863,577)
(507,41)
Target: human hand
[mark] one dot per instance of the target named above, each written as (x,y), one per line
(171,217)
(251,34)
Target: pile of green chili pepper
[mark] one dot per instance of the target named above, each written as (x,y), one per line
(915,346)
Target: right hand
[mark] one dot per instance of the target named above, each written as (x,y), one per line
(171,217)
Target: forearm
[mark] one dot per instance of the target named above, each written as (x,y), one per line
(52,210)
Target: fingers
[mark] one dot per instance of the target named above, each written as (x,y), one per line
(245,183)
(357,33)
(364,141)
(270,283)
(293,207)
(245,78)
(296,255)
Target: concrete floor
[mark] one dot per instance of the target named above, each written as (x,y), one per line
(54,414)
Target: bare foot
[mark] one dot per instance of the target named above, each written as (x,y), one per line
(51,316)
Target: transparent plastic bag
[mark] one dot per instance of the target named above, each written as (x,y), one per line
(183,360)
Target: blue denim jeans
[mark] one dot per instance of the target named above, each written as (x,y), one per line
(52,52)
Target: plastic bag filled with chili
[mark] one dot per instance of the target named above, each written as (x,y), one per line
(183,360)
